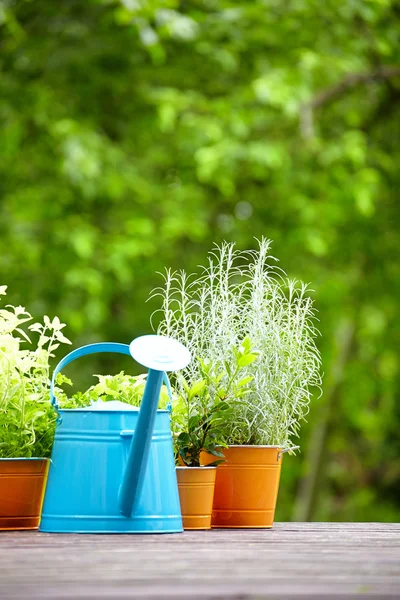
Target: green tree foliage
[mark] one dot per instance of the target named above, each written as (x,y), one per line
(135,134)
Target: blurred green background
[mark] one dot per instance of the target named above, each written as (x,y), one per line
(136,134)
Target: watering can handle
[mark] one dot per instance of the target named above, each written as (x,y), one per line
(94,349)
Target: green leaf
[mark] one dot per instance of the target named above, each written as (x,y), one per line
(246,359)
(222,406)
(245,381)
(197,389)
(215,452)
(246,344)
(228,367)
(193,422)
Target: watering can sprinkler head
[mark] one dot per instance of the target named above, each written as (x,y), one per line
(159,353)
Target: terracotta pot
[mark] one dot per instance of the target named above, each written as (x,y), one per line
(246,486)
(196,493)
(22,485)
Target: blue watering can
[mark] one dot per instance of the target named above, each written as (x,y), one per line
(112,466)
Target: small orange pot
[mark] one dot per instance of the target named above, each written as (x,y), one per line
(22,485)
(196,494)
(246,486)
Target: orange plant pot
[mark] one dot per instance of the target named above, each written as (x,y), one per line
(196,494)
(22,486)
(246,486)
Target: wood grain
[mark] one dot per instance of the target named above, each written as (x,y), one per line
(293,560)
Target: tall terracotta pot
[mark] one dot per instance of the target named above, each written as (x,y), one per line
(22,486)
(246,486)
(196,494)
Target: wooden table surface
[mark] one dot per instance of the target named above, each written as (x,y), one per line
(293,560)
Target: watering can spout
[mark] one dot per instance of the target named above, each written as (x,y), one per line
(159,354)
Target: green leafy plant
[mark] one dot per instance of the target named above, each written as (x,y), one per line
(122,387)
(245,294)
(203,408)
(27,418)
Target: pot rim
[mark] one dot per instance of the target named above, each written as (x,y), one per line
(202,467)
(252,446)
(25,458)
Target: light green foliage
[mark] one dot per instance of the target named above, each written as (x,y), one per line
(26,416)
(204,407)
(137,133)
(242,293)
(122,387)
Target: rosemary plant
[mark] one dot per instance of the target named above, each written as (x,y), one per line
(243,294)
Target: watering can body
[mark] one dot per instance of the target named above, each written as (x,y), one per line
(87,466)
(90,466)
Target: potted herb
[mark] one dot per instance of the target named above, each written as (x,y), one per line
(245,294)
(122,387)
(198,417)
(27,419)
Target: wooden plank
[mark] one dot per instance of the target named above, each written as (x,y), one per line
(293,560)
